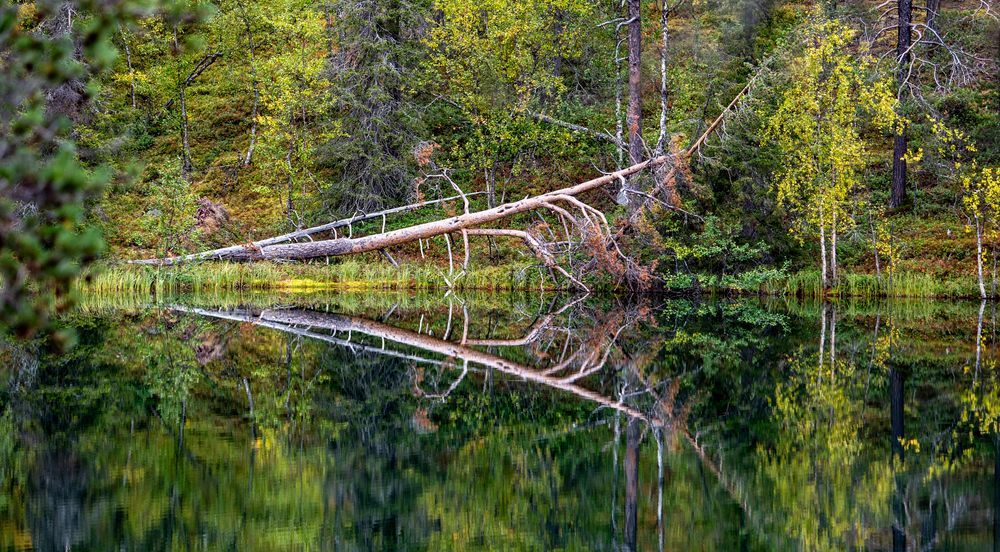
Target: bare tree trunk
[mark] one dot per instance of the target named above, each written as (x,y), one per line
(253,83)
(619,119)
(878,268)
(833,248)
(822,250)
(993,279)
(491,182)
(633,117)
(204,63)
(903,42)
(128,62)
(933,8)
(557,30)
(290,207)
(892,262)
(661,142)
(979,257)
(185,146)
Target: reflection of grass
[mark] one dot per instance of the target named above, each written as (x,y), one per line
(806,283)
(350,274)
(334,300)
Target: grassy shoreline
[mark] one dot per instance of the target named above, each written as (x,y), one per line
(342,276)
(359,276)
(807,283)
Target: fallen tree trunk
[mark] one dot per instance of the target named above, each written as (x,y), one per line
(278,249)
(237,252)
(375,242)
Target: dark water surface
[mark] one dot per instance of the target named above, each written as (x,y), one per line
(516,422)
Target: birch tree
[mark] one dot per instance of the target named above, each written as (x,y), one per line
(981,200)
(817,128)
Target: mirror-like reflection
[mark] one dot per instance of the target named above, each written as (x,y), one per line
(504,422)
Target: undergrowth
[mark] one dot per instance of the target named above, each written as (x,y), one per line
(346,275)
(807,283)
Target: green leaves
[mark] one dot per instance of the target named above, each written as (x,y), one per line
(832,95)
(43,184)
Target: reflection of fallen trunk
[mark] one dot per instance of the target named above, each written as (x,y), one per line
(533,332)
(305,322)
(246,316)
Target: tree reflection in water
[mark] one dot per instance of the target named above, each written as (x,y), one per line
(563,423)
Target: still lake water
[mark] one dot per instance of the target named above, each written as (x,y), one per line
(513,422)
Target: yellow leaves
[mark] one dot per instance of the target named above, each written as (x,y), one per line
(817,126)
(913,157)
(981,197)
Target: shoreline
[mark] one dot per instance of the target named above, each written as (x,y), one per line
(109,278)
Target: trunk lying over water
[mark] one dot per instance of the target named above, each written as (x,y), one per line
(347,246)
(560,202)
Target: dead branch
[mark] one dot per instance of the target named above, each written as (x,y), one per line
(237,252)
(536,247)
(603,136)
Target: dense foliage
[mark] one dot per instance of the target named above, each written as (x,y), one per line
(224,121)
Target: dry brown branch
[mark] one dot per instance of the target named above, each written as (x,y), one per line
(536,247)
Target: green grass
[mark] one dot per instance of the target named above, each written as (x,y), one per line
(357,275)
(807,283)
(344,302)
(346,275)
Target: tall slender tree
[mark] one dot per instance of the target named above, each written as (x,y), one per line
(377,47)
(904,14)
(633,114)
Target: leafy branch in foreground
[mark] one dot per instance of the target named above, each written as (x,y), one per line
(48,55)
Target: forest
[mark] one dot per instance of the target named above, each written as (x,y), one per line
(724,146)
(499,275)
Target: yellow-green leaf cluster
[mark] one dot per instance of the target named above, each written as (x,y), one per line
(818,127)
